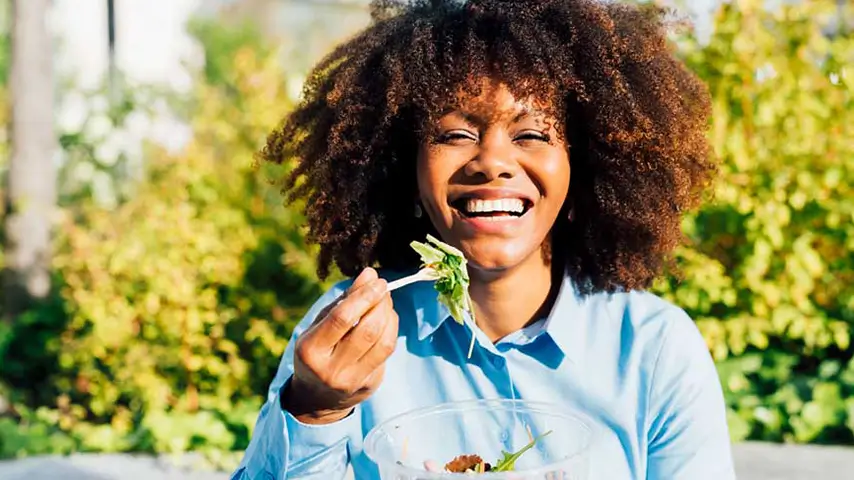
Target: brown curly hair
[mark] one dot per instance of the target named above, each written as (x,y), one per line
(633,116)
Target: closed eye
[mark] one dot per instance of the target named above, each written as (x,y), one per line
(532,135)
(455,137)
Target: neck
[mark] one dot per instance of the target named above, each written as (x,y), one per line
(507,301)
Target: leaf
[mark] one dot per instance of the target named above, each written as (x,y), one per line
(453,280)
(508,460)
(429,255)
(449,250)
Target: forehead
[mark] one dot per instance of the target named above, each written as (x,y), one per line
(491,99)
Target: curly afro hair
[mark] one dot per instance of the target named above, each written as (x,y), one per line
(634,119)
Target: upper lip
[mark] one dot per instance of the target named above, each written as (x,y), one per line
(493,194)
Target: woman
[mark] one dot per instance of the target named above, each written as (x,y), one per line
(556,143)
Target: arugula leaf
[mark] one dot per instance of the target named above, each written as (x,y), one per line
(452,277)
(508,460)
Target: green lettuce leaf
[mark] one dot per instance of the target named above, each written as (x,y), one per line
(452,281)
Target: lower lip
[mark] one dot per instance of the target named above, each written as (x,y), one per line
(493,225)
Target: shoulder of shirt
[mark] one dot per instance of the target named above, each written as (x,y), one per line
(676,332)
(644,308)
(651,317)
(669,339)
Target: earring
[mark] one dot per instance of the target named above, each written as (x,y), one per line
(571,215)
(418,211)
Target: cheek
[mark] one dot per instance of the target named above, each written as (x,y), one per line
(557,163)
(431,182)
(554,173)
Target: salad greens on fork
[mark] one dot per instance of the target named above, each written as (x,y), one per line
(447,266)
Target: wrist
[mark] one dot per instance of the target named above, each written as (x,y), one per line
(294,400)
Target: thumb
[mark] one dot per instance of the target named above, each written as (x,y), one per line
(366,275)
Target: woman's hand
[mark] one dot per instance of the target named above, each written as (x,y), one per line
(339,361)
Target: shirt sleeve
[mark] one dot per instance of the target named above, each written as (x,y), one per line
(688,434)
(281,446)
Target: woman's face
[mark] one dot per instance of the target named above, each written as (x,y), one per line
(493,178)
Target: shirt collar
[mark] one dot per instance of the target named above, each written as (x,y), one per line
(566,323)
(430,314)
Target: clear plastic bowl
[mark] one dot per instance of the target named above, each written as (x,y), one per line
(401,445)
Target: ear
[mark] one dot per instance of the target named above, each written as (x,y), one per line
(567,211)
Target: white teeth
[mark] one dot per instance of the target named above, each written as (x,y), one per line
(511,205)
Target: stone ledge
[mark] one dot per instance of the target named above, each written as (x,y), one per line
(754,461)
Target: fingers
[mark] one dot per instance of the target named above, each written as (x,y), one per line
(364,278)
(367,275)
(366,334)
(379,351)
(360,356)
(344,316)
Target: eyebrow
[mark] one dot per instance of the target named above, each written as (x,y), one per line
(528,112)
(474,118)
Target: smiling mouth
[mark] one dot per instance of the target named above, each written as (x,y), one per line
(497,209)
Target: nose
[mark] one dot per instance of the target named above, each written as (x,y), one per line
(494,160)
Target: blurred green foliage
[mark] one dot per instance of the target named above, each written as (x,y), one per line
(103,144)
(173,308)
(222,43)
(769,276)
(174,305)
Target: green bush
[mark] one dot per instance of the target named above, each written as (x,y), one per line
(174,308)
(770,273)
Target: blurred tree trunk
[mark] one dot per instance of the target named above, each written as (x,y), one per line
(32,176)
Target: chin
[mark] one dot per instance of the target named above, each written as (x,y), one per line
(497,258)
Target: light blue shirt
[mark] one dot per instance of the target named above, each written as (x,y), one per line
(632,363)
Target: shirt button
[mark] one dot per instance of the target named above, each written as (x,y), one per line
(498,362)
